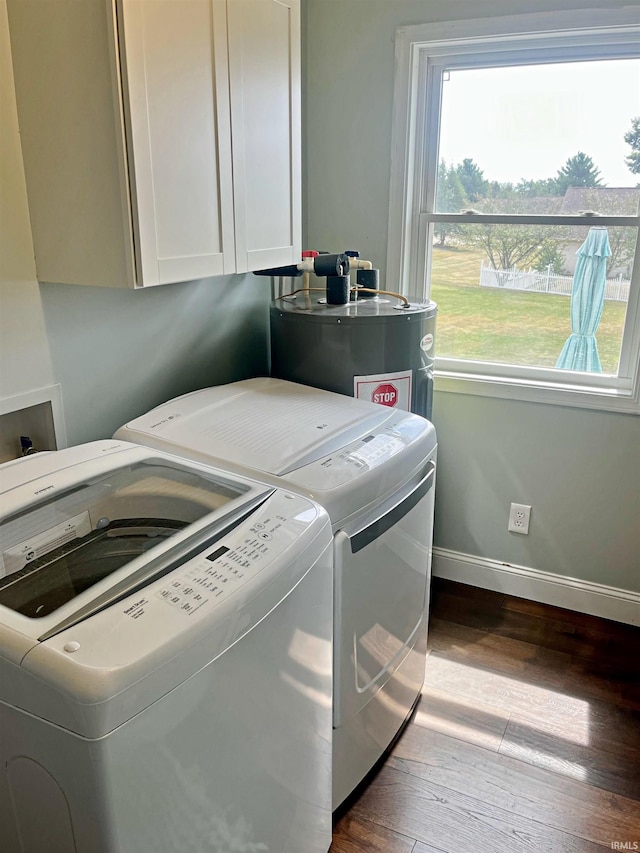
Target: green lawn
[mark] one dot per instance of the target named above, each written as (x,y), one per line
(508,326)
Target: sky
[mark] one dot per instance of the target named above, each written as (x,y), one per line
(525,122)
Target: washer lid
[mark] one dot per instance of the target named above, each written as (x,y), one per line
(83,527)
(265,424)
(101,671)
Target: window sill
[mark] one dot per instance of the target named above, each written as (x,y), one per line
(532,391)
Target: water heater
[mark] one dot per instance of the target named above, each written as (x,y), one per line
(375,349)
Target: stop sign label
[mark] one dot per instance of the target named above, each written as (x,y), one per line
(386,394)
(385,389)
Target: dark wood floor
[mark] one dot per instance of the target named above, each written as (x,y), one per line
(526,738)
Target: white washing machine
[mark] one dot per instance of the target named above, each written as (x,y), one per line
(165,658)
(373,469)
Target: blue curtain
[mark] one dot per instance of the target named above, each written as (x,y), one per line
(580,351)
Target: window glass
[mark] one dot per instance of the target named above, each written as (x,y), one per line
(555,140)
(504,293)
(541,139)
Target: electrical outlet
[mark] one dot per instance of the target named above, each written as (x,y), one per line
(519,516)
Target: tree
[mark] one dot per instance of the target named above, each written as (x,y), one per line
(500,189)
(632,138)
(550,255)
(578,171)
(535,189)
(450,198)
(622,240)
(472,179)
(508,246)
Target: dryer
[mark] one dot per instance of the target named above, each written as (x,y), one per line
(165,658)
(373,469)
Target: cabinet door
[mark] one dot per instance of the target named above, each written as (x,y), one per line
(175,78)
(72,137)
(264,66)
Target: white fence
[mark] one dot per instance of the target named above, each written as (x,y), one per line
(617,289)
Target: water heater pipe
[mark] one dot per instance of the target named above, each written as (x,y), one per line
(359,264)
(403,299)
(307,264)
(303,290)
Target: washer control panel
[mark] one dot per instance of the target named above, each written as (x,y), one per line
(351,461)
(152,639)
(221,570)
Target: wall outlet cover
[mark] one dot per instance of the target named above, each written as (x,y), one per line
(519,516)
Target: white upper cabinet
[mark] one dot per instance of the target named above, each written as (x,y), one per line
(264,62)
(161,138)
(173,59)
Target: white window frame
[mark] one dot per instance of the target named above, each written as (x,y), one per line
(421,53)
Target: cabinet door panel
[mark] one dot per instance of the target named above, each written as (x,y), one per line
(175,71)
(72,139)
(264,62)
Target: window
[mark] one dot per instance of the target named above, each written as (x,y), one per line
(515,202)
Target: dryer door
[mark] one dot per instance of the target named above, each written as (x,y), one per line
(382,575)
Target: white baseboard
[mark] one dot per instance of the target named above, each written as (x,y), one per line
(596,599)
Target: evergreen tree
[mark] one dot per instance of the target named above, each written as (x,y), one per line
(536,189)
(632,138)
(450,198)
(578,171)
(500,189)
(472,179)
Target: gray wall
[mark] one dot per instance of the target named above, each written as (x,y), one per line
(114,353)
(118,354)
(580,470)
